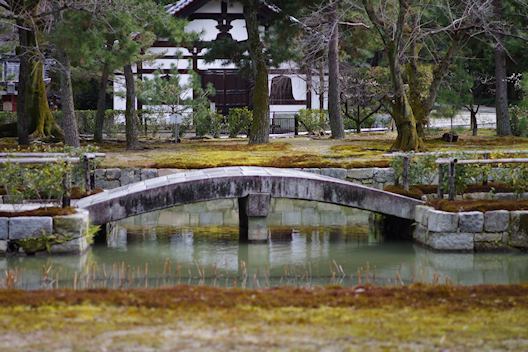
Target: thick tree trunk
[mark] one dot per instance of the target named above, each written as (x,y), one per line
(22,117)
(501,83)
(334,113)
(101,105)
(402,113)
(131,127)
(259,133)
(71,131)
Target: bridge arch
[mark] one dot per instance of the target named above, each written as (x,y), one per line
(240,182)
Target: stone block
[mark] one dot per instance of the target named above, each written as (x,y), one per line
(258,204)
(519,229)
(147,174)
(74,225)
(451,241)
(3,247)
(385,175)
(4,228)
(360,174)
(75,246)
(496,221)
(441,221)
(211,218)
(105,184)
(129,176)
(472,221)
(113,174)
(421,214)
(29,226)
(335,173)
(420,234)
(489,237)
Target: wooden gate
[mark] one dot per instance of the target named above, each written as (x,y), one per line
(232,89)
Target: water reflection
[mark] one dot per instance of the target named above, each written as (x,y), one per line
(179,246)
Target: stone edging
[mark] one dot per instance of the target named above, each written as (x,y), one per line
(24,227)
(471,231)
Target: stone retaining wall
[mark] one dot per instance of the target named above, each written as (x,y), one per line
(471,231)
(374,177)
(73,227)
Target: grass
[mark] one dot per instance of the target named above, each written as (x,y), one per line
(49,211)
(360,318)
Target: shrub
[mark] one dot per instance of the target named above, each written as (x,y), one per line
(207,122)
(239,119)
(7,117)
(314,121)
(519,121)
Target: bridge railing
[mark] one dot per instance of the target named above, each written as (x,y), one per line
(87,162)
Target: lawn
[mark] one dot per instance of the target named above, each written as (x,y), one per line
(362,318)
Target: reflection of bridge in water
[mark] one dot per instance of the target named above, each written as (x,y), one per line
(254,187)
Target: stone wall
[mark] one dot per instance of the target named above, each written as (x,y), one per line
(73,227)
(374,177)
(471,231)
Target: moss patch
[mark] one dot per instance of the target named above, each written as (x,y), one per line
(478,205)
(50,211)
(361,318)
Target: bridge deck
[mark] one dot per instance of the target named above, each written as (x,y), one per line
(236,182)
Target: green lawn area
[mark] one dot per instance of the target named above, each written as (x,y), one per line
(364,319)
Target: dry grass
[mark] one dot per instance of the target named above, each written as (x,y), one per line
(50,211)
(479,205)
(202,318)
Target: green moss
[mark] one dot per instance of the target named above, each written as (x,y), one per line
(41,243)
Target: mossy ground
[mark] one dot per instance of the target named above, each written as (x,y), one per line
(365,150)
(184,318)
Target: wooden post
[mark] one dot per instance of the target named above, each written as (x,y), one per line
(176,133)
(452,184)
(66,190)
(440,192)
(86,173)
(405,174)
(484,173)
(296,124)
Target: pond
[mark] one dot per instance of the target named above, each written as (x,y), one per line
(311,244)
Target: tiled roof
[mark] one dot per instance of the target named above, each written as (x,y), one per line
(182,4)
(178,6)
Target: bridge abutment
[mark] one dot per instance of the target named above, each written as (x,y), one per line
(253,212)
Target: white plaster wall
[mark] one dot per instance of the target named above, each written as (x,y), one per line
(165,64)
(217,64)
(206,28)
(119,87)
(239,31)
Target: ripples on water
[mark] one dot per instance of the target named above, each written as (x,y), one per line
(311,244)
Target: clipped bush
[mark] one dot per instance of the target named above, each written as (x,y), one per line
(313,121)
(207,122)
(239,120)
(519,121)
(7,117)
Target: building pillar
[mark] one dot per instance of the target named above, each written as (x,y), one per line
(253,212)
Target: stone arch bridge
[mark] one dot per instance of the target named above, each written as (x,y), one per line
(253,186)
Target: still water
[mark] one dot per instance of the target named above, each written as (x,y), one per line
(311,244)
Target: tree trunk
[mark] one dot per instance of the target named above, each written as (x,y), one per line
(71,131)
(501,82)
(259,133)
(334,113)
(408,138)
(22,117)
(131,127)
(101,104)
(321,86)
(473,117)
